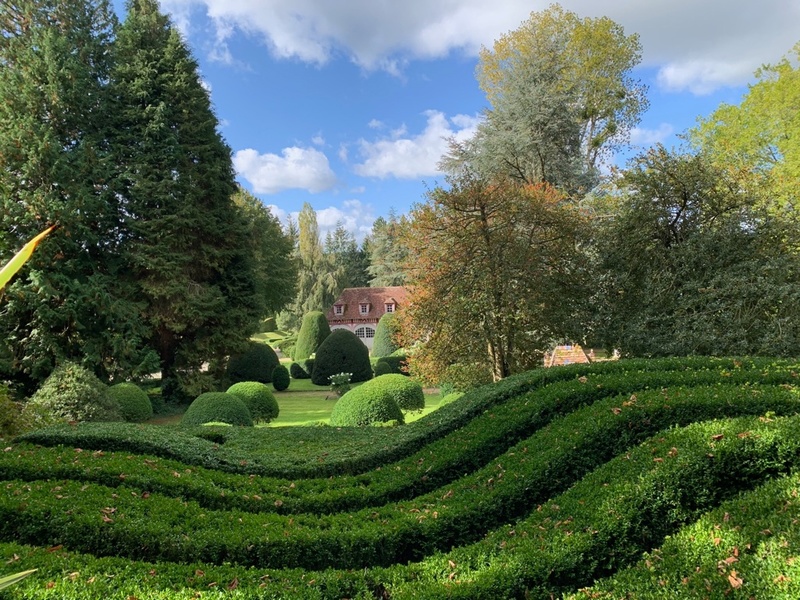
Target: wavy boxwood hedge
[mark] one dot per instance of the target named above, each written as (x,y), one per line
(602,524)
(217,407)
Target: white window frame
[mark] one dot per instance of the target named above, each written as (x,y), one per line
(363,309)
(338,309)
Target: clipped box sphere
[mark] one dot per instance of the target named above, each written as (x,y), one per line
(360,407)
(134,403)
(258,399)
(217,407)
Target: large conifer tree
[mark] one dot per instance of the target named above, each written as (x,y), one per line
(186,242)
(70,301)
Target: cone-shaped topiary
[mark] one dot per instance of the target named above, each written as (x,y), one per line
(258,399)
(341,352)
(361,406)
(297,371)
(313,332)
(74,393)
(134,403)
(256,364)
(383,343)
(217,407)
(280,378)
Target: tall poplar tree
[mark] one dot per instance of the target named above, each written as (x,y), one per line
(71,301)
(185,242)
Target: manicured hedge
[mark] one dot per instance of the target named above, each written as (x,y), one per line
(217,407)
(258,399)
(341,352)
(360,407)
(256,364)
(134,403)
(396,363)
(280,378)
(383,344)
(313,331)
(298,372)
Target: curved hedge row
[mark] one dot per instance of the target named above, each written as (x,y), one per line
(438,463)
(452,516)
(600,525)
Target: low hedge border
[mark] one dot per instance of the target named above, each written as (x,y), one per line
(437,464)
(603,523)
(459,514)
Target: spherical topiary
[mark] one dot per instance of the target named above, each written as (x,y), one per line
(396,363)
(256,364)
(360,407)
(258,398)
(383,344)
(298,372)
(313,332)
(406,392)
(341,352)
(134,403)
(74,393)
(217,407)
(280,378)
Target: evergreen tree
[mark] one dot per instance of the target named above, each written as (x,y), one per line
(72,301)
(387,251)
(345,255)
(185,241)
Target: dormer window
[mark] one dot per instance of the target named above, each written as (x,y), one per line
(364,308)
(389,307)
(338,309)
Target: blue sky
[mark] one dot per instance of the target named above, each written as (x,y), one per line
(345,104)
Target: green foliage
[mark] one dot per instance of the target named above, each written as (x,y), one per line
(386,333)
(341,352)
(9,414)
(360,407)
(257,363)
(382,368)
(465,377)
(298,372)
(312,333)
(217,407)
(343,252)
(406,392)
(258,398)
(451,397)
(280,378)
(387,251)
(395,363)
(76,394)
(340,383)
(134,403)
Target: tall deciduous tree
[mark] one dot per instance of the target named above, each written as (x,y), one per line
(495,269)
(695,265)
(762,134)
(561,98)
(185,241)
(73,300)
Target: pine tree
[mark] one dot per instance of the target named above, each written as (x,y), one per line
(71,301)
(344,253)
(185,241)
(387,252)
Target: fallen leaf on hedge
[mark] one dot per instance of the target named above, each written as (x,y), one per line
(734,580)
(234,584)
(718,437)
(55,548)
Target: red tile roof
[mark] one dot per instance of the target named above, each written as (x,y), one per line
(376,297)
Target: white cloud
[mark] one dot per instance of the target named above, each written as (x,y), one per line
(696,45)
(650,137)
(411,157)
(318,140)
(296,168)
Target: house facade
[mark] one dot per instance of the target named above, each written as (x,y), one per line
(360,309)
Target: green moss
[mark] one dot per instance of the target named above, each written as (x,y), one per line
(133,401)
(213,407)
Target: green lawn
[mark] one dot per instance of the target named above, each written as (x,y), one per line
(305,404)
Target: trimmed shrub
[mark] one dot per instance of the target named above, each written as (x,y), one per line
(382,368)
(396,363)
(213,407)
(451,397)
(313,332)
(309,366)
(256,364)
(74,393)
(268,325)
(298,372)
(341,352)
(133,401)
(258,399)
(406,392)
(360,407)
(385,333)
(280,378)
